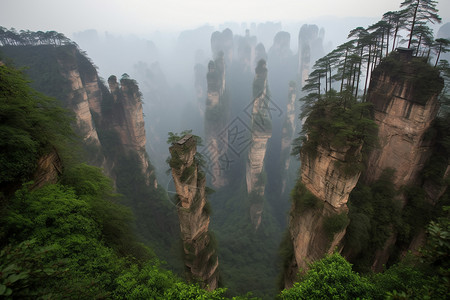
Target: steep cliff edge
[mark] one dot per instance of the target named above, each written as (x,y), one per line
(127,119)
(405,105)
(331,154)
(65,73)
(200,257)
(318,216)
(261,132)
(404,91)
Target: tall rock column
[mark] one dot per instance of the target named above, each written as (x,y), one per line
(128,122)
(261,132)
(288,132)
(200,257)
(404,91)
(216,116)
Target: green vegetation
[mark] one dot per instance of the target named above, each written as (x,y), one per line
(330,278)
(31,124)
(337,122)
(72,240)
(303,199)
(335,223)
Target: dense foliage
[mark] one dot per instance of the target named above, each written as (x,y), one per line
(30,125)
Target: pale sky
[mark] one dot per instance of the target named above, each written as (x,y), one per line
(143,16)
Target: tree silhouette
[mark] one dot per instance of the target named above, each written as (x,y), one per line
(420,11)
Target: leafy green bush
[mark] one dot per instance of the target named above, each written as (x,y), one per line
(31,124)
(330,278)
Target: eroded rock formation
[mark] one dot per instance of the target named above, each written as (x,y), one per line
(199,250)
(405,106)
(319,199)
(404,110)
(261,132)
(128,122)
(288,132)
(216,116)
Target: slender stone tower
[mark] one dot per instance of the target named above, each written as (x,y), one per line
(199,250)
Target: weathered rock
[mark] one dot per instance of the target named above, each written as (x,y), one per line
(403,121)
(404,92)
(199,253)
(261,132)
(49,168)
(128,122)
(216,116)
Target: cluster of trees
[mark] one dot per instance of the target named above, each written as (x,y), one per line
(345,67)
(32,38)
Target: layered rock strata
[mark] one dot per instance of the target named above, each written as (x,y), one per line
(319,198)
(261,132)
(404,92)
(216,116)
(403,115)
(128,122)
(200,257)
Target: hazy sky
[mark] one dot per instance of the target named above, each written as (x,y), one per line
(143,16)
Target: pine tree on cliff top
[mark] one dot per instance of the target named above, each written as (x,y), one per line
(420,11)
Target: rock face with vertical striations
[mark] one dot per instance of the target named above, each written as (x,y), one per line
(216,117)
(319,198)
(200,257)
(404,91)
(102,117)
(261,132)
(404,110)
(127,120)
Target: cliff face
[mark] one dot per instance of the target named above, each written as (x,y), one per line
(193,211)
(65,73)
(403,116)
(319,200)
(128,122)
(261,132)
(216,116)
(288,132)
(84,94)
(404,92)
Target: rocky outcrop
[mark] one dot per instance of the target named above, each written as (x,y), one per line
(128,122)
(261,132)
(49,168)
(81,97)
(288,132)
(216,116)
(199,250)
(404,110)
